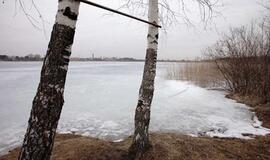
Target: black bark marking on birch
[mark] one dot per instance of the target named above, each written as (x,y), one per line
(141,142)
(48,102)
(65,60)
(66,53)
(156,36)
(156,42)
(63,63)
(69,14)
(140,103)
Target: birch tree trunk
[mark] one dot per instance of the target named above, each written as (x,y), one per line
(140,141)
(48,102)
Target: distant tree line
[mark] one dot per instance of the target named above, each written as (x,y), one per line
(29,57)
(37,57)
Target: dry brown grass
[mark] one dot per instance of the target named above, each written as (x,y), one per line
(165,147)
(204,74)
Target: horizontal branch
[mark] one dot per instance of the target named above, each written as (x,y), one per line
(118,12)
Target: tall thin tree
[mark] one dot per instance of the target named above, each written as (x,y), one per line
(142,115)
(48,102)
(168,16)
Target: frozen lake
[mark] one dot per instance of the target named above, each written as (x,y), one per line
(100,100)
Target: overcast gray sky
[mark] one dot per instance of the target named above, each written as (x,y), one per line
(115,35)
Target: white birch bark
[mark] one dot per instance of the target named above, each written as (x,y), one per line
(140,141)
(152,38)
(68,11)
(48,102)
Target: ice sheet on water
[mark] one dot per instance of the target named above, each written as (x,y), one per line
(194,110)
(11,137)
(95,127)
(100,100)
